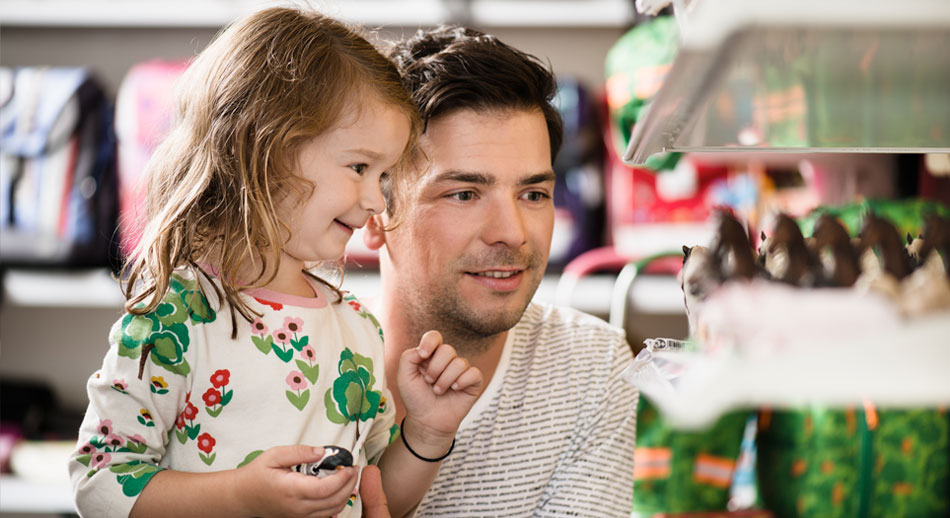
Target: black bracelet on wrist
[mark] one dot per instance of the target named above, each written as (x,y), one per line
(402,426)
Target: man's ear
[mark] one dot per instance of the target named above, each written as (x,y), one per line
(373,236)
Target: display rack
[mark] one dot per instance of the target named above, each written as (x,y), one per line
(216,13)
(806,76)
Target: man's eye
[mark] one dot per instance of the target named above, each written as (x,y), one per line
(359,168)
(536,196)
(463,195)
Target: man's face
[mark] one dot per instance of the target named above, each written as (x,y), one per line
(474,242)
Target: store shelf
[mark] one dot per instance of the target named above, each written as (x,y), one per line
(804,76)
(62,288)
(97,288)
(18,495)
(783,347)
(412,13)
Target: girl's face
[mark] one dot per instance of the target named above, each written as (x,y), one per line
(346,165)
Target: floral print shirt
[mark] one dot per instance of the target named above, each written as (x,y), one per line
(176,391)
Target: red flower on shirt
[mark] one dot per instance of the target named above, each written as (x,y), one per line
(211,397)
(220,378)
(190,412)
(206,442)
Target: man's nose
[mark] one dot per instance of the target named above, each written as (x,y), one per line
(505,224)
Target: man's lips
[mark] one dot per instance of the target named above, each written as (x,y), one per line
(496,274)
(501,280)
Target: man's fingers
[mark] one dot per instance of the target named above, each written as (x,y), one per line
(334,489)
(372,495)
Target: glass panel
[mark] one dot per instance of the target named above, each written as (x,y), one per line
(805,89)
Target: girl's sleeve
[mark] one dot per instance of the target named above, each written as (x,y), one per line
(135,401)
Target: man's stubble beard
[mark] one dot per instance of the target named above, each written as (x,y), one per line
(471,333)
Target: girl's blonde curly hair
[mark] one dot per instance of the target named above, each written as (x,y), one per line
(263,87)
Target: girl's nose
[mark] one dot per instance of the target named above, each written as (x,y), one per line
(372,199)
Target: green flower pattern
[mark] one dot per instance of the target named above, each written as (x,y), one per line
(352,397)
(162,334)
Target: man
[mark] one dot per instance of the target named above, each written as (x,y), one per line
(467,244)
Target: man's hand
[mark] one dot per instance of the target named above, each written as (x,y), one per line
(371,494)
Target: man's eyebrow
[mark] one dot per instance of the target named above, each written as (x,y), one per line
(464,177)
(476,177)
(547,176)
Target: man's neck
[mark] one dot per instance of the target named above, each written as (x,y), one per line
(401,336)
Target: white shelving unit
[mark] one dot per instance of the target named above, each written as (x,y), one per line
(216,13)
(96,288)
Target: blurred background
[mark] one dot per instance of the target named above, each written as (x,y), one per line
(678,115)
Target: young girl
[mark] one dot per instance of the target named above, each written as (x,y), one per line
(233,364)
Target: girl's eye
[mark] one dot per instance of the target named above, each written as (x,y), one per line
(359,168)
(463,195)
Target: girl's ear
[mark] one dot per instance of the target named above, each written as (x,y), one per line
(373,235)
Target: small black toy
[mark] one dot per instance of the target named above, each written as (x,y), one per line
(334,458)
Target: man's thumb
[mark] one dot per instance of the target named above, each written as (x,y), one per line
(371,494)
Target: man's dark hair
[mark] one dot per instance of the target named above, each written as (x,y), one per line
(454,68)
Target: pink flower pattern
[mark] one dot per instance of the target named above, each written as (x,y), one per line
(296,380)
(282,336)
(294,325)
(258,327)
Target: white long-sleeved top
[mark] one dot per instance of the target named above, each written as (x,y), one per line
(305,372)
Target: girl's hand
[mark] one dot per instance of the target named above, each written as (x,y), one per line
(438,387)
(270,488)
